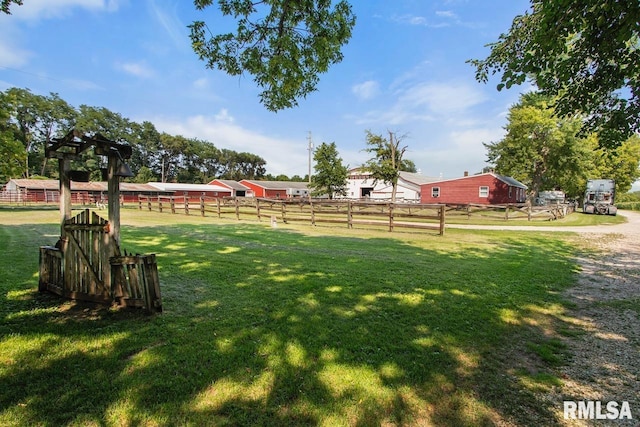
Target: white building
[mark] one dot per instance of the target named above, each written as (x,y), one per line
(360,185)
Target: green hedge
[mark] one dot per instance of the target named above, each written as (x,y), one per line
(634,206)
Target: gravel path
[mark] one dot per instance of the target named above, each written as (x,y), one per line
(605,315)
(606,354)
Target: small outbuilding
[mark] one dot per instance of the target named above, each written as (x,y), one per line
(237,189)
(277,189)
(486,188)
(361,185)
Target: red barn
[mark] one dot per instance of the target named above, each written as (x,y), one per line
(192,190)
(277,189)
(237,189)
(487,188)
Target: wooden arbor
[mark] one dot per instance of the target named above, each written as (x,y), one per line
(86,263)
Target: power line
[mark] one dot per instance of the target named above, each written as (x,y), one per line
(40,76)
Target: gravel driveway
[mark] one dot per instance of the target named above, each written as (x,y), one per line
(606,358)
(605,312)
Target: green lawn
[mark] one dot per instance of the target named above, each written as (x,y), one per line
(290,326)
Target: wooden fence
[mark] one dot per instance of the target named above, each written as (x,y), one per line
(80,267)
(349,213)
(509,211)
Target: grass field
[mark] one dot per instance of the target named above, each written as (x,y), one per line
(292,325)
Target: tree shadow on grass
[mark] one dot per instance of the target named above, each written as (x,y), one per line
(271,327)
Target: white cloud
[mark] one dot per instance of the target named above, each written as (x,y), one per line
(417,20)
(441,98)
(366,90)
(224,116)
(136,69)
(446,14)
(48,9)
(201,84)
(457,152)
(12,56)
(425,102)
(282,156)
(170,23)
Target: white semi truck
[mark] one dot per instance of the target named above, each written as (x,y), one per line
(599,197)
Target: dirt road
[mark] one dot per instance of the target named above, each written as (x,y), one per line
(606,357)
(605,316)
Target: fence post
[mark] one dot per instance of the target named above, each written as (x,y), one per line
(283,208)
(139,202)
(186,205)
(149,203)
(159,204)
(172,201)
(390,205)
(237,209)
(313,215)
(202,205)
(506,213)
(442,215)
(349,215)
(258,209)
(528,211)
(218,207)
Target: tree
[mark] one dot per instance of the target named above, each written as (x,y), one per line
(621,164)
(584,53)
(331,174)
(538,148)
(283,44)
(545,153)
(408,166)
(12,153)
(387,162)
(37,119)
(4,6)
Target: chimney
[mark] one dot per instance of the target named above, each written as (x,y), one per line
(466,173)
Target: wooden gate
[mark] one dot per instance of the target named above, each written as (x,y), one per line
(83,266)
(75,267)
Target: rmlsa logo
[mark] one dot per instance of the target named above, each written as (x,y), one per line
(596,410)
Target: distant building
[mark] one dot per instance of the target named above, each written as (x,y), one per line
(48,191)
(360,185)
(277,189)
(192,190)
(237,189)
(487,188)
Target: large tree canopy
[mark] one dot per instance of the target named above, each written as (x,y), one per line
(544,152)
(584,53)
(283,44)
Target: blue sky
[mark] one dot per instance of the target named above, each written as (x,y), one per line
(404,71)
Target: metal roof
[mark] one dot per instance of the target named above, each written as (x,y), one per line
(278,185)
(176,186)
(231,184)
(54,185)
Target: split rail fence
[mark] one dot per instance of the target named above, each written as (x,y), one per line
(349,213)
(508,212)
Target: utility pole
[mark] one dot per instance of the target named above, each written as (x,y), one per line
(310,151)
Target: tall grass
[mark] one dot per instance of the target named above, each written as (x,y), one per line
(290,326)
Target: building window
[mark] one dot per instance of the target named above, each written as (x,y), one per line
(484,191)
(435,192)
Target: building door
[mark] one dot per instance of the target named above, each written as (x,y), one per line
(365,192)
